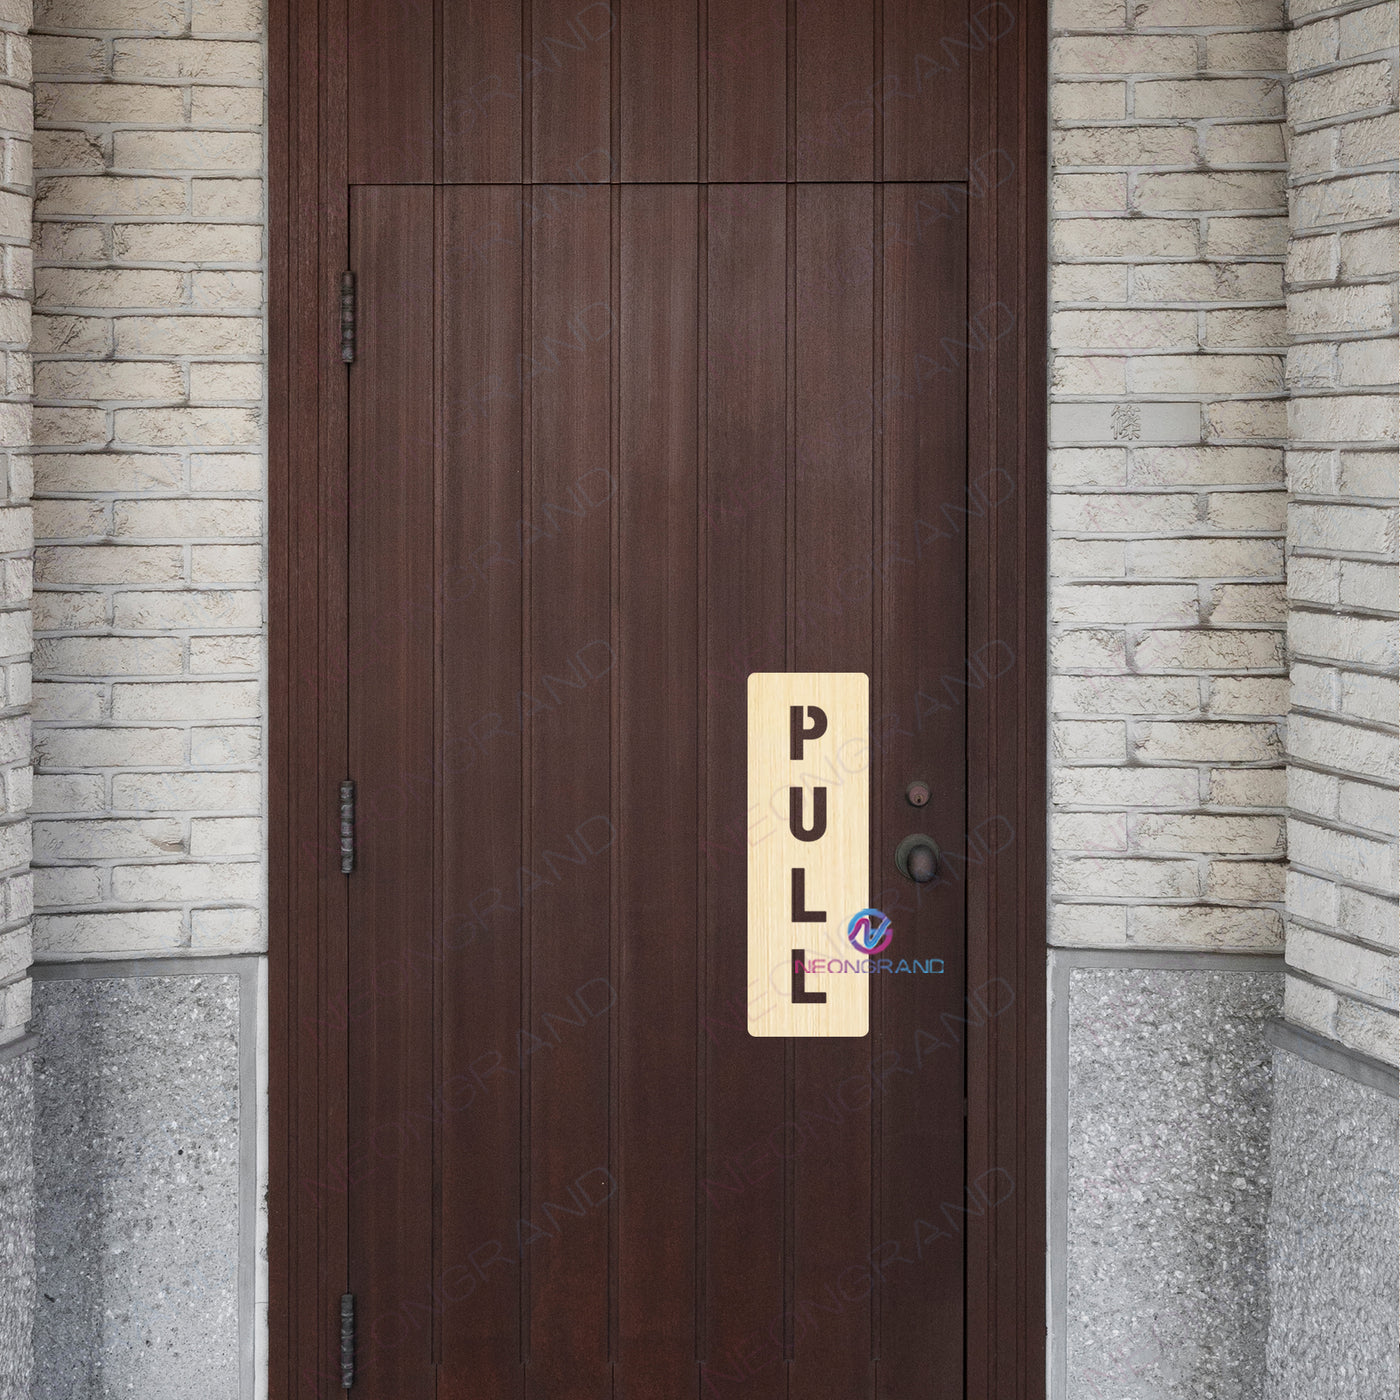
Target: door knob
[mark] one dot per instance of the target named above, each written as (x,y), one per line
(917,858)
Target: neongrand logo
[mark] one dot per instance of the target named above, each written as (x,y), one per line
(869,932)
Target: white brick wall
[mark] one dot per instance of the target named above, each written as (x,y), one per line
(149,477)
(1167,479)
(1169,234)
(16,524)
(1342,576)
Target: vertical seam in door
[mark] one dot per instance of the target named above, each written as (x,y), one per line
(435,855)
(437,92)
(702,91)
(527,930)
(789,662)
(1019,213)
(875,1011)
(614,751)
(877,123)
(614,101)
(525,242)
(527,101)
(994,968)
(790,168)
(610,1325)
(352,201)
(702,544)
(990,1143)
(702,926)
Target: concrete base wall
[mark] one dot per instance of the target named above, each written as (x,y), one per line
(1334,1292)
(144,1181)
(1161,1094)
(16,1222)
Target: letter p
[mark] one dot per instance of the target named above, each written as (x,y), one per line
(800,732)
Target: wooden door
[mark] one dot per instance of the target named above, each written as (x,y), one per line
(676,336)
(600,474)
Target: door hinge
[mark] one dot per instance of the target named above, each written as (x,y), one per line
(347,827)
(347,1340)
(347,317)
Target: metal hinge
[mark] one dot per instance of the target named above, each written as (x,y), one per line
(347,827)
(347,317)
(347,1340)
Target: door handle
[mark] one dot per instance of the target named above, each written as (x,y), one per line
(917,858)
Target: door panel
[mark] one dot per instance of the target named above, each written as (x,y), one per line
(391,1162)
(562,91)
(482,809)
(832,629)
(744,1181)
(658,846)
(604,464)
(922,669)
(568,715)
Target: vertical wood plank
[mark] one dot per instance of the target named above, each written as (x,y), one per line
(390,113)
(565,879)
(744,522)
(658,82)
(478,1100)
(570,64)
(928,685)
(922,85)
(832,616)
(657,834)
(485,76)
(390,1004)
(836,108)
(745,69)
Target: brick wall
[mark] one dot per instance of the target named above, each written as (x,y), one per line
(16,526)
(148,477)
(1342,530)
(1167,478)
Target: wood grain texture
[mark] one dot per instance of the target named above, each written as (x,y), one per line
(658,698)
(320,51)
(833,769)
(670,91)
(391,665)
(481,445)
(835,625)
(744,523)
(567,715)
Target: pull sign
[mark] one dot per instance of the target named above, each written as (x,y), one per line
(809,849)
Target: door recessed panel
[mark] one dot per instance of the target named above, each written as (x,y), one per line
(638,473)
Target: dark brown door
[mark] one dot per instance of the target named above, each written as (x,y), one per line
(603,465)
(693,340)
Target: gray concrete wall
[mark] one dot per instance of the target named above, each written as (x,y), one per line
(1160,1102)
(143,1148)
(16,1221)
(1334,1294)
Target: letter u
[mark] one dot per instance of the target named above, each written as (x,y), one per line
(795,824)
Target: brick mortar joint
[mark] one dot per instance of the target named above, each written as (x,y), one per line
(1340,989)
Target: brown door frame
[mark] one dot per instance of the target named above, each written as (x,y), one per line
(308,406)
